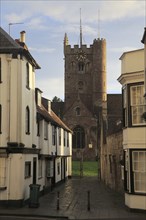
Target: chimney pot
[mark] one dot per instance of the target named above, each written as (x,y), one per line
(22,36)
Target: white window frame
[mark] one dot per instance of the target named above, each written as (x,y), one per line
(138,104)
(27,169)
(40,168)
(139,171)
(59,136)
(53,135)
(49,169)
(45,130)
(3,172)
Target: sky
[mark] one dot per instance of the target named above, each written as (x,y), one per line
(120,22)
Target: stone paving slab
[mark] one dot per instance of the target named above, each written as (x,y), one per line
(74,202)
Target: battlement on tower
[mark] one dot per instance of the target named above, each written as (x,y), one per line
(88,49)
(76,48)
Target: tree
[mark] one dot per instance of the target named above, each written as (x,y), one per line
(56,99)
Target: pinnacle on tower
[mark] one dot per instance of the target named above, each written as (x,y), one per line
(65,40)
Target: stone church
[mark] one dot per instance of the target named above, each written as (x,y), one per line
(85,95)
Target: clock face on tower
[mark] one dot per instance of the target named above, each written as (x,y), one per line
(81,56)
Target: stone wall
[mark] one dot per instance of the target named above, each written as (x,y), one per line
(111,159)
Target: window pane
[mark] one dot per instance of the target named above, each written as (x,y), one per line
(139,170)
(2,172)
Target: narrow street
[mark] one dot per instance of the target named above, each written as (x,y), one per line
(79,198)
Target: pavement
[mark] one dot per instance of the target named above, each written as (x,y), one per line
(79,198)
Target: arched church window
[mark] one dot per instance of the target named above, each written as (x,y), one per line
(78,138)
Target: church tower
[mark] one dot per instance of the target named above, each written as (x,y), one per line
(85,94)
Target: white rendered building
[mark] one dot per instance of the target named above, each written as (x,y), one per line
(134,130)
(35,145)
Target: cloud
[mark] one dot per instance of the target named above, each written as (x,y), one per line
(42,50)
(69,11)
(14,17)
(113,10)
(123,49)
(51,87)
(37,23)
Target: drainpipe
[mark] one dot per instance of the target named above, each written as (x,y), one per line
(9,59)
(19,99)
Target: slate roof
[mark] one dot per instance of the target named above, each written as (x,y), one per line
(51,117)
(6,41)
(9,45)
(114,113)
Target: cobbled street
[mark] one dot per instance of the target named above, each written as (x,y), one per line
(79,198)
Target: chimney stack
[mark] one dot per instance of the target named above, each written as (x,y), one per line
(22,36)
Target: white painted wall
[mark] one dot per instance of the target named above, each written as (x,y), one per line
(17,97)
(132,61)
(135,201)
